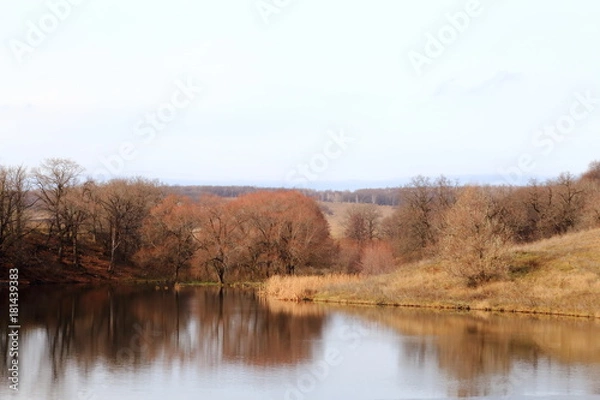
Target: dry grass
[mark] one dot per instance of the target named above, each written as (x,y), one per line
(557,276)
(298,288)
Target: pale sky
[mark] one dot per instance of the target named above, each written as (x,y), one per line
(307,93)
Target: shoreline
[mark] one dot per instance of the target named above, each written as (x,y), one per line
(338,299)
(449,307)
(337,295)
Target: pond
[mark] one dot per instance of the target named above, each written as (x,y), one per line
(197,342)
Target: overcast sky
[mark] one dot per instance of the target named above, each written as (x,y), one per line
(337,93)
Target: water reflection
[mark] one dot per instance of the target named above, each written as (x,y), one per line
(483,354)
(127,328)
(131,327)
(122,342)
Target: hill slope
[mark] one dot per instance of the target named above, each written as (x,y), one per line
(556,276)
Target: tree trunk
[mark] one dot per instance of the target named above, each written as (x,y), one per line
(75,249)
(290,269)
(114,244)
(111,265)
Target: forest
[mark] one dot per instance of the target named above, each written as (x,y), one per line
(54,222)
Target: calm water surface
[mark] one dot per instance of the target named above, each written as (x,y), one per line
(143,343)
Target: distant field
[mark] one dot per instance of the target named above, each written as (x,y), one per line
(338,211)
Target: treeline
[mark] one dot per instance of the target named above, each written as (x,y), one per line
(382,197)
(161,232)
(470,228)
(134,222)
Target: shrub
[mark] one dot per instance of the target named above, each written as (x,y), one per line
(474,242)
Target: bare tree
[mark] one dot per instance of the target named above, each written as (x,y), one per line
(125,203)
(14,204)
(362,222)
(538,202)
(475,242)
(593,172)
(591,183)
(420,200)
(591,217)
(416,224)
(54,178)
(570,201)
(75,212)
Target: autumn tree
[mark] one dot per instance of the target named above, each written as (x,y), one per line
(286,231)
(54,178)
(475,242)
(303,237)
(168,235)
(257,216)
(218,236)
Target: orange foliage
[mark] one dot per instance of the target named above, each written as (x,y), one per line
(285,231)
(169,234)
(219,236)
(254,236)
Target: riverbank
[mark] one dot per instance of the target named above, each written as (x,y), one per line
(558,276)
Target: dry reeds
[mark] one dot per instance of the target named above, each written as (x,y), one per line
(298,288)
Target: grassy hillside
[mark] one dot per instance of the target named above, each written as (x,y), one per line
(556,276)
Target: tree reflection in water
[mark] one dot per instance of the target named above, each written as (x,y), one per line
(479,352)
(133,327)
(74,338)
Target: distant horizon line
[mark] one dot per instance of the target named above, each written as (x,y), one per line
(347,184)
